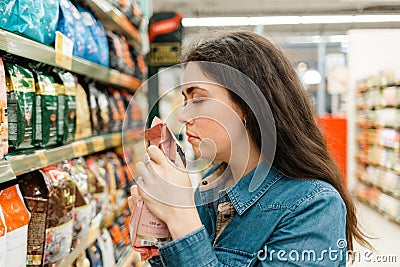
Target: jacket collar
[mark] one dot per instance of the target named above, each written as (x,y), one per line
(245,192)
(251,187)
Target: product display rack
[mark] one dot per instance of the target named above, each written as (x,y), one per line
(17,164)
(17,45)
(378,141)
(91,236)
(21,162)
(113,20)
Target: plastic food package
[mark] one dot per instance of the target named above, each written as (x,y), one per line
(45,112)
(117,240)
(20,103)
(16,219)
(66,101)
(106,247)
(140,64)
(147,231)
(133,112)
(137,15)
(83,211)
(3,240)
(120,58)
(82,261)
(99,35)
(98,109)
(50,195)
(35,19)
(71,24)
(83,122)
(3,113)
(99,173)
(93,253)
(117,109)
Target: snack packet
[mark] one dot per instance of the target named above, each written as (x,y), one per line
(147,231)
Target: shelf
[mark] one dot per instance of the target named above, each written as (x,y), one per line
(17,45)
(360,160)
(377,209)
(16,164)
(129,256)
(93,233)
(113,20)
(86,241)
(365,88)
(380,188)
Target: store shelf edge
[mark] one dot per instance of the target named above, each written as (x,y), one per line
(19,164)
(17,45)
(384,213)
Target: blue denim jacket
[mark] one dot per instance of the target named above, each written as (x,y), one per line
(284,222)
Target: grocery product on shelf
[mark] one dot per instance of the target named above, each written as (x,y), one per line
(131,10)
(3,240)
(93,253)
(378,140)
(50,197)
(83,212)
(3,112)
(134,116)
(83,112)
(116,109)
(66,103)
(61,225)
(35,19)
(16,219)
(71,25)
(117,240)
(140,64)
(20,104)
(106,247)
(82,261)
(45,111)
(98,109)
(120,57)
(99,36)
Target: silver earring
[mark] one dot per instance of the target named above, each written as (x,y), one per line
(245,123)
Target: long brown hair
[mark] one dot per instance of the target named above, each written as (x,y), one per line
(301,151)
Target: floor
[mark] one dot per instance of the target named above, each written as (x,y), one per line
(386,242)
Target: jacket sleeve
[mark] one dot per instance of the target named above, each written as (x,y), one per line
(312,234)
(193,249)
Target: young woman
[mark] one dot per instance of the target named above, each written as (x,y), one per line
(277,198)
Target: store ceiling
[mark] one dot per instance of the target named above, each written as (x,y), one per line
(210,8)
(224,8)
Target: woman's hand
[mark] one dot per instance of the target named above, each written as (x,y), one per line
(167,192)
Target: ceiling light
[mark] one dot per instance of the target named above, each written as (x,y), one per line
(286,20)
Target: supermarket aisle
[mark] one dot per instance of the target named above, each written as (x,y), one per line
(387,235)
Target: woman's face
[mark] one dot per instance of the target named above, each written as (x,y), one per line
(213,121)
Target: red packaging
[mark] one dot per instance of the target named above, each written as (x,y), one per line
(147,231)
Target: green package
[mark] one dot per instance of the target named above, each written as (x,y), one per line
(20,104)
(70,106)
(66,99)
(45,113)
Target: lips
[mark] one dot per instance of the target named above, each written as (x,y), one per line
(191,137)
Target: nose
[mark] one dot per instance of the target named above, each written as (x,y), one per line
(185,116)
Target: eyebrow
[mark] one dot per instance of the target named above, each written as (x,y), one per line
(190,90)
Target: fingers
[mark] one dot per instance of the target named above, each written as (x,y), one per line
(132,200)
(141,169)
(131,204)
(156,155)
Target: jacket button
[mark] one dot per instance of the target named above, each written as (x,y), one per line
(204,183)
